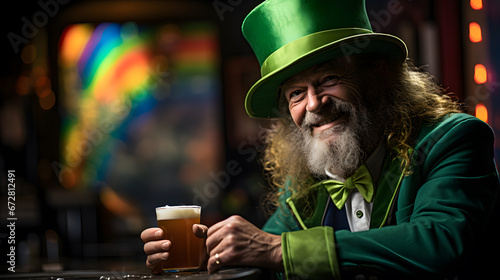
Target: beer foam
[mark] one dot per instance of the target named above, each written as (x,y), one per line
(178,212)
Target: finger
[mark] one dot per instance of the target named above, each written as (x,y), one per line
(216,232)
(200,230)
(220,257)
(157,269)
(215,262)
(155,260)
(151,234)
(220,230)
(213,229)
(235,219)
(213,241)
(153,247)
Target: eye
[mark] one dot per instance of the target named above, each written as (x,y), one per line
(294,95)
(330,80)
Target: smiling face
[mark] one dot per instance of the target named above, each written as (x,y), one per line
(310,92)
(336,121)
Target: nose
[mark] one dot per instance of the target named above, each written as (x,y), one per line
(315,101)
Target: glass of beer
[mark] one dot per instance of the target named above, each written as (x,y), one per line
(177,225)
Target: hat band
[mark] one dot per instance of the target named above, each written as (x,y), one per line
(298,48)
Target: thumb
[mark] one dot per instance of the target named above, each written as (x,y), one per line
(200,230)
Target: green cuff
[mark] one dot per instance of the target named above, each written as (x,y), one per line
(310,254)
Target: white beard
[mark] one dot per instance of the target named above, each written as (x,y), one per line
(342,155)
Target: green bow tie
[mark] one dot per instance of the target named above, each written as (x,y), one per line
(339,191)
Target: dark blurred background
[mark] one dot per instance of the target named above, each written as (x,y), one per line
(111,108)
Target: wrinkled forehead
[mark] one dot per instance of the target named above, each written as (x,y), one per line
(337,66)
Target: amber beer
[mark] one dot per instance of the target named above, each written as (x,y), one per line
(177,225)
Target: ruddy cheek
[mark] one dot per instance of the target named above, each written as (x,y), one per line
(297,115)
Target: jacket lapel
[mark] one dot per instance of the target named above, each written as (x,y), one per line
(316,219)
(384,204)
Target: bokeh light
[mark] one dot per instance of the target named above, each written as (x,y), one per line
(480,74)
(72,42)
(48,100)
(23,84)
(28,54)
(475,35)
(476,4)
(43,86)
(482,112)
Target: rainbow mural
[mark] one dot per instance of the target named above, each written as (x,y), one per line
(111,74)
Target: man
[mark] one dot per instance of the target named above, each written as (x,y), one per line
(376,173)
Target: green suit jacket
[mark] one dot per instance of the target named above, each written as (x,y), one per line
(435,223)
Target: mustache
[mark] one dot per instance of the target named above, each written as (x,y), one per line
(331,111)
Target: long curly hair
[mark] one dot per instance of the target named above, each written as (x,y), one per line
(406,96)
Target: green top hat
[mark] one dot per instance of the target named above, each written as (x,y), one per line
(290,36)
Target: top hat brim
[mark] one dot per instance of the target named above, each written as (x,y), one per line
(262,99)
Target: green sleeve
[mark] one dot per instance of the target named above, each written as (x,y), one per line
(443,208)
(310,254)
